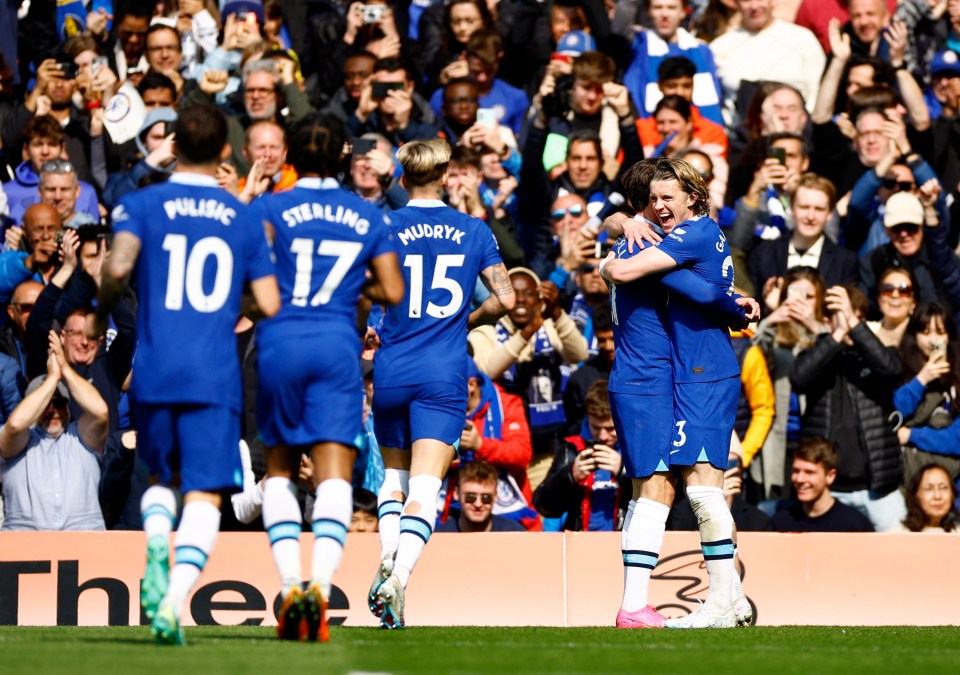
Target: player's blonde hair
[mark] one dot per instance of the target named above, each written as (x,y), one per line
(424,162)
(689,179)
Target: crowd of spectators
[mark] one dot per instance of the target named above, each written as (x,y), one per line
(828,132)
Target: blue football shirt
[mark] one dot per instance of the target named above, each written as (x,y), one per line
(324,240)
(644,360)
(701,342)
(424,338)
(199,245)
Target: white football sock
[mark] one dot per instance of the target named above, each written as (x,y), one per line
(332,511)
(158,511)
(716,539)
(415,529)
(389,509)
(193,543)
(283,522)
(641,544)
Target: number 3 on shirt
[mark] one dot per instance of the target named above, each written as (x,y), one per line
(440,280)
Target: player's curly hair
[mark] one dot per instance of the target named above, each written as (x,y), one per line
(690,180)
(316,146)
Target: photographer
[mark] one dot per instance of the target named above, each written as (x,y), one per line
(586,480)
(388,105)
(596,115)
(372,172)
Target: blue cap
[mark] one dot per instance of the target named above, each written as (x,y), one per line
(237,6)
(575,43)
(947,61)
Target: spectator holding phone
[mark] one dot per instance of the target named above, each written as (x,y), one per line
(928,400)
(389,106)
(372,171)
(586,481)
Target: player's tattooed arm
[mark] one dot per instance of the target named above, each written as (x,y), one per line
(117,269)
(501,300)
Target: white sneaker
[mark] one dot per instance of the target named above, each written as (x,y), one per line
(701,618)
(743,611)
(384,570)
(390,595)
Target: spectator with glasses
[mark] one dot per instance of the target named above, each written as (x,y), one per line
(896,302)
(477,492)
(931,499)
(895,172)
(903,219)
(558,260)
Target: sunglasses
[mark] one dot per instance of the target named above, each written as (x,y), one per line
(576,211)
(898,185)
(904,290)
(471,497)
(905,228)
(24,307)
(59,402)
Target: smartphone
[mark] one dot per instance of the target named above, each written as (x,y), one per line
(795,293)
(733,463)
(487,117)
(372,13)
(601,249)
(168,128)
(380,89)
(779,154)
(98,63)
(937,347)
(68,69)
(361,146)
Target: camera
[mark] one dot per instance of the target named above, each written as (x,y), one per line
(372,13)
(69,69)
(557,103)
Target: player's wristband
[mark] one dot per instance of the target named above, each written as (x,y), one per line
(601,266)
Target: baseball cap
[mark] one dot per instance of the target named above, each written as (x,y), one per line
(901,209)
(575,43)
(947,61)
(237,6)
(36,383)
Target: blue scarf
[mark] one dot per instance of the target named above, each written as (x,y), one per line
(544,404)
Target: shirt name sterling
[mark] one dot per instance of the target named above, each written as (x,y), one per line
(419,231)
(199,208)
(334,214)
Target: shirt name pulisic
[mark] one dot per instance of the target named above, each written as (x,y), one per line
(420,230)
(306,212)
(199,208)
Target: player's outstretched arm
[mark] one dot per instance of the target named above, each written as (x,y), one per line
(716,300)
(501,299)
(646,262)
(115,274)
(387,286)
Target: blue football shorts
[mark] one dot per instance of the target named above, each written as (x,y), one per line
(201,442)
(704,414)
(402,415)
(644,430)
(310,388)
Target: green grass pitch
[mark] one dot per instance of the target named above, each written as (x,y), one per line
(462,650)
